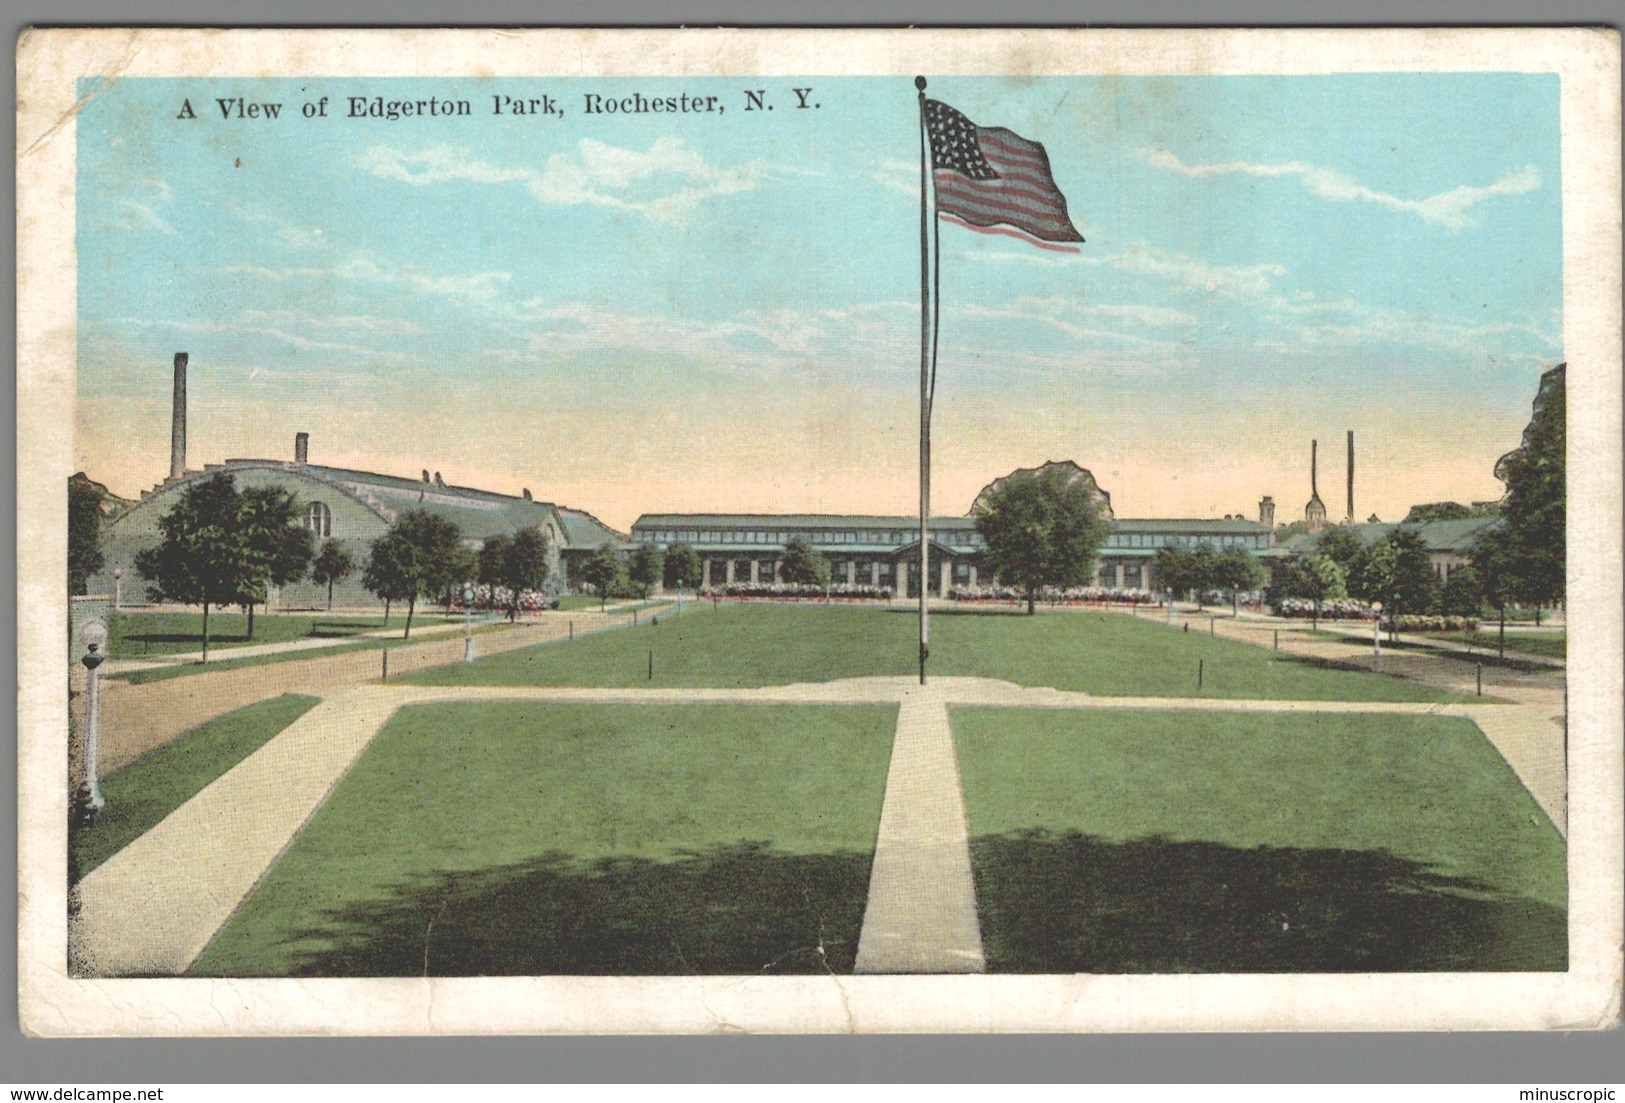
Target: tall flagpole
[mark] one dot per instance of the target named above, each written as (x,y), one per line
(926,308)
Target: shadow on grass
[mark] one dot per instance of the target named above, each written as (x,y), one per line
(740,909)
(1073,903)
(185,637)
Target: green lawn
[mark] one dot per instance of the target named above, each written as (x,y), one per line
(532,839)
(1153,842)
(1547,645)
(138,635)
(753,645)
(154,785)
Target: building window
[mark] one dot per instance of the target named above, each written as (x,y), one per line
(320,520)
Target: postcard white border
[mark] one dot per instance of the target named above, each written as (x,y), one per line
(1586,997)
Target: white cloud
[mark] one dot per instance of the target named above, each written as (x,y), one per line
(664,182)
(472,286)
(141,216)
(1452,208)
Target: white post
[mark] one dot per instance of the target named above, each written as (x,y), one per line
(1376,638)
(468,624)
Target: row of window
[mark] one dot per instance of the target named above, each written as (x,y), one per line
(896,536)
(814,536)
(1162,540)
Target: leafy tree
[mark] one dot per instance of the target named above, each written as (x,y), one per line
(1040,531)
(1237,570)
(278,545)
(203,559)
(1535,506)
(1349,552)
(645,568)
(85,556)
(334,564)
(801,566)
(493,565)
(523,567)
(421,556)
(1445,511)
(1495,562)
(1204,571)
(1174,569)
(1315,578)
(1463,594)
(1399,574)
(602,571)
(683,567)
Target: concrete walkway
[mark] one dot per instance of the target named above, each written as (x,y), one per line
(138,718)
(433,628)
(154,906)
(921,915)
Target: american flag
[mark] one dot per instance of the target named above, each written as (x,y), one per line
(994,181)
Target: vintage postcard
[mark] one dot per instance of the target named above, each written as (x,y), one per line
(818,531)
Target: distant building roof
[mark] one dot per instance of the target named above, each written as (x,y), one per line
(1437,536)
(478,514)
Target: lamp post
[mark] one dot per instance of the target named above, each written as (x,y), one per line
(1376,638)
(87,799)
(118,586)
(468,623)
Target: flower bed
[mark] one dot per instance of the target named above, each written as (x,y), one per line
(785,591)
(1334,609)
(1049,595)
(1411,623)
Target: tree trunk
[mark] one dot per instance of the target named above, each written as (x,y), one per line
(1501,644)
(1031,600)
(411,606)
(386,612)
(1537,616)
(205,631)
(330,595)
(251,620)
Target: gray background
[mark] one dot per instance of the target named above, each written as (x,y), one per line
(1496,1058)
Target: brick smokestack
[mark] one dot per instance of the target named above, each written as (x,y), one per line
(177,425)
(301,448)
(1351,476)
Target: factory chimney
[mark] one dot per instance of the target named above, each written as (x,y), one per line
(301,448)
(177,425)
(1351,477)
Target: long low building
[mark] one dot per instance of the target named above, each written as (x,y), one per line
(884,551)
(354,508)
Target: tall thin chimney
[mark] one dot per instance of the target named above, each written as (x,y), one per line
(301,448)
(1351,477)
(177,425)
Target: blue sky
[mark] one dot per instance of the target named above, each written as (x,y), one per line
(720,311)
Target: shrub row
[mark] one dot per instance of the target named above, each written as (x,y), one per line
(1410,623)
(1052,596)
(1334,609)
(799,591)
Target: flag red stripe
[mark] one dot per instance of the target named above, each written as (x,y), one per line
(956,196)
(1008,231)
(1004,189)
(1048,229)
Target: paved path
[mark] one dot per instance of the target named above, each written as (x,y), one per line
(138,718)
(154,906)
(431,628)
(921,915)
